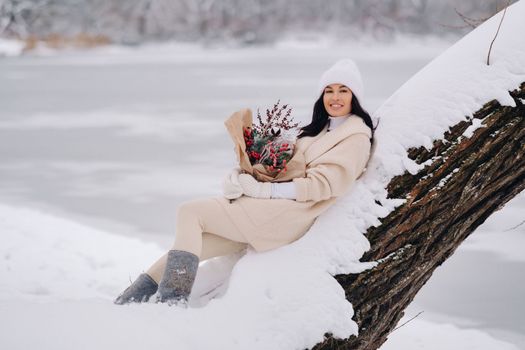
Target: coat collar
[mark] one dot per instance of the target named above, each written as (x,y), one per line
(326,140)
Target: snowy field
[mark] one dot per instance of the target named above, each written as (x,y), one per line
(98,148)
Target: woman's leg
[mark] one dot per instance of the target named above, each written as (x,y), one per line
(193,219)
(198,216)
(212,246)
(157,269)
(203,230)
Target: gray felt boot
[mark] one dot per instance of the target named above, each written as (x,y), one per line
(140,290)
(179,275)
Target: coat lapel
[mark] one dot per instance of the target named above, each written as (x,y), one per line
(326,140)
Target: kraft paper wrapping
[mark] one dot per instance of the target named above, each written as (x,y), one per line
(296,166)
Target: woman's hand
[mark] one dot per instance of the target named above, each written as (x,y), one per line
(231,187)
(253,188)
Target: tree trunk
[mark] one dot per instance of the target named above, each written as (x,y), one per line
(466,181)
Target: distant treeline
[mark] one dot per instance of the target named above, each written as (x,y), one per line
(243,21)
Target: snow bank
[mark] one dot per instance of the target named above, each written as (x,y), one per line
(417,333)
(282,299)
(63,270)
(58,279)
(55,259)
(10,47)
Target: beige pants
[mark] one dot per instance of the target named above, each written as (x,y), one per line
(204,229)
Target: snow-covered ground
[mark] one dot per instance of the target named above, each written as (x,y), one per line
(106,139)
(59,278)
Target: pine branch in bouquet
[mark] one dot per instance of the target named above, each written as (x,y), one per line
(266,144)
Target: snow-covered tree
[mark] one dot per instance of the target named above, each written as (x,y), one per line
(464,181)
(458,179)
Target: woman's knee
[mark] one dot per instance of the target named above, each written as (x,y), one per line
(199,209)
(188,209)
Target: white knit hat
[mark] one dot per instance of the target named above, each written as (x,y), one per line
(344,72)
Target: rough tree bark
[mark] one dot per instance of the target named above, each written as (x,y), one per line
(465,181)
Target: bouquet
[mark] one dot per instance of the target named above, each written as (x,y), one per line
(266,150)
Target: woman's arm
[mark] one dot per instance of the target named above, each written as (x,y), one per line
(331,174)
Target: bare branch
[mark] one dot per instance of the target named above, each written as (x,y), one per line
(495,36)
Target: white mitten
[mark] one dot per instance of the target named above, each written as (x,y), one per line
(231,187)
(253,188)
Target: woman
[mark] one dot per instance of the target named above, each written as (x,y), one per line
(336,146)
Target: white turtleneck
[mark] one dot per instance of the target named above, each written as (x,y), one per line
(287,189)
(334,122)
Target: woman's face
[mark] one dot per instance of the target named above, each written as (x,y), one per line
(337,100)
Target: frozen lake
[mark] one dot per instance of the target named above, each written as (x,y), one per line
(117,138)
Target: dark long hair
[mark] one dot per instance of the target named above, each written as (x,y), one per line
(320,118)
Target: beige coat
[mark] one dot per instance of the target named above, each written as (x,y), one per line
(334,160)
